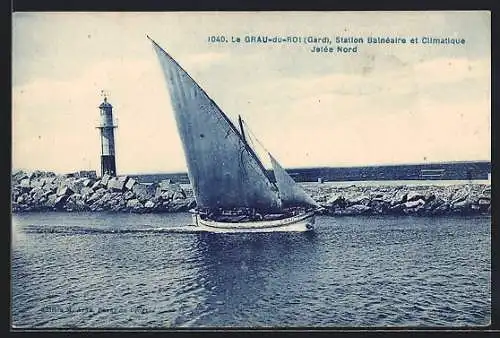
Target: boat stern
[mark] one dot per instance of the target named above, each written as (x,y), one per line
(310,222)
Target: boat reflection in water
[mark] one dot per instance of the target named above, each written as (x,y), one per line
(242,277)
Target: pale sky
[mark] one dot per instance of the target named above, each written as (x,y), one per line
(385,104)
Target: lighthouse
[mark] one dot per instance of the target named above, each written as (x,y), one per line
(107,128)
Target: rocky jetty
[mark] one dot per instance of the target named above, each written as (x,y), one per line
(39,191)
(418,200)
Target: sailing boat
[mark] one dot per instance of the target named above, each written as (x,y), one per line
(231,187)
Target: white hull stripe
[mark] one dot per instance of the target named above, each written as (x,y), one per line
(254,225)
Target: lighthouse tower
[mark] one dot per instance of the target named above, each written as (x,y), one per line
(107,127)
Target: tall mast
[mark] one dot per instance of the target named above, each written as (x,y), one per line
(241,129)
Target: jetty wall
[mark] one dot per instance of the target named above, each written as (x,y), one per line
(40,191)
(45,191)
(418,200)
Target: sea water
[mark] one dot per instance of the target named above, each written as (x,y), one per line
(97,270)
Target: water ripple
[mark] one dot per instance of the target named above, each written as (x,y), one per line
(82,270)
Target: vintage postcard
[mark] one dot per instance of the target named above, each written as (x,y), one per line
(251,170)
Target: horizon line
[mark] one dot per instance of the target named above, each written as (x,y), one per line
(287,168)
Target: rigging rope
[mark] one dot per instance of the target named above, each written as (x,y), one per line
(255,137)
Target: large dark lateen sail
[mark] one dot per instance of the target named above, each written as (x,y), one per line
(291,193)
(223,170)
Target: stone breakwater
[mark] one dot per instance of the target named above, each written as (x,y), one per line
(418,200)
(40,191)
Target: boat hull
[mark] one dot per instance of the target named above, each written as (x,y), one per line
(299,223)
